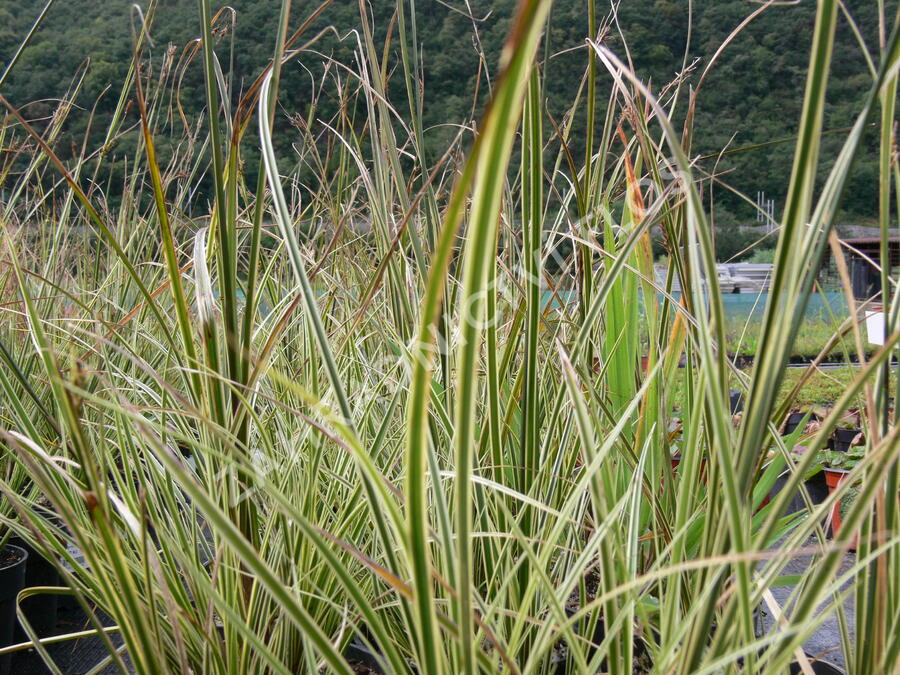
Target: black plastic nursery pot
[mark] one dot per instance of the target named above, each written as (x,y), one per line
(13,560)
(816,488)
(736,401)
(363,659)
(40,610)
(842,440)
(794,420)
(818,667)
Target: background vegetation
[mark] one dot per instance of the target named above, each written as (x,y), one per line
(750,102)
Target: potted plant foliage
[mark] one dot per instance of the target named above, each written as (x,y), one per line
(837,465)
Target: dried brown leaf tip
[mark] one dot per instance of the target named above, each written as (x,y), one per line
(91,502)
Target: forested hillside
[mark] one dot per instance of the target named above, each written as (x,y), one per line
(750,97)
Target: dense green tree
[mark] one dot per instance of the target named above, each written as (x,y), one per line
(750,98)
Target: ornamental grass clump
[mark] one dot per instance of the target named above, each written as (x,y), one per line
(269,433)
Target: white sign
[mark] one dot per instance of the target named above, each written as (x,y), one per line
(875,327)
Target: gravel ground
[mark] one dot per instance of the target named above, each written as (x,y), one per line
(825,643)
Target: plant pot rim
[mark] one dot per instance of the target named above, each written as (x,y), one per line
(800,414)
(20,561)
(834,477)
(13,574)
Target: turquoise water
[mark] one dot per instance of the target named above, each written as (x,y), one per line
(821,305)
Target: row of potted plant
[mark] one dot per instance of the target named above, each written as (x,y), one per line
(844,451)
